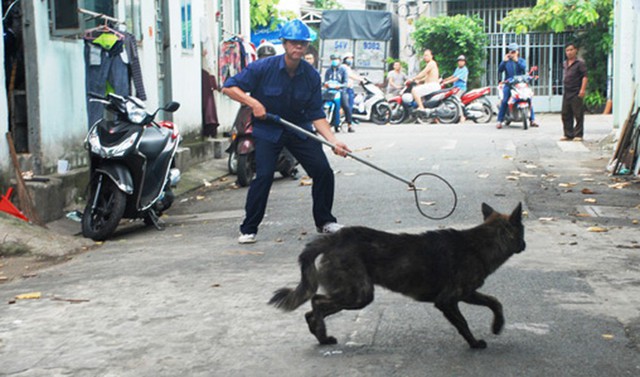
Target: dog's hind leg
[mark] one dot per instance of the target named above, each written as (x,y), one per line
(477,298)
(322,306)
(352,298)
(451,311)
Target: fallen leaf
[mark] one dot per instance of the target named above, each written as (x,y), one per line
(398,221)
(582,215)
(507,157)
(566,184)
(545,219)
(634,221)
(587,191)
(525,213)
(590,200)
(224,179)
(29,296)
(206,183)
(3,278)
(597,229)
(483,175)
(200,197)
(177,235)
(511,178)
(620,185)
(588,179)
(279,240)
(216,285)
(607,336)
(306,182)
(70,300)
(245,252)
(531,166)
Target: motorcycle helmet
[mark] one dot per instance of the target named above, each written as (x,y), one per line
(348,58)
(266,49)
(295,30)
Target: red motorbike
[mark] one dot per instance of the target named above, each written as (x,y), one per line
(442,105)
(476,105)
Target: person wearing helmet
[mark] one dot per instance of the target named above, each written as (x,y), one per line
(512,65)
(289,87)
(266,49)
(459,77)
(347,63)
(337,73)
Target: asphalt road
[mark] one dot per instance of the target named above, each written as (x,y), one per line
(191,301)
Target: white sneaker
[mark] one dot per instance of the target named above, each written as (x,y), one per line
(330,228)
(247,238)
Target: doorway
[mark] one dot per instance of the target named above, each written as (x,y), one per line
(14,69)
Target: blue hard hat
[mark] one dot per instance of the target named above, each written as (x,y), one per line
(295,30)
(512,47)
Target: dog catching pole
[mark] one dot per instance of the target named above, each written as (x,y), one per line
(435,198)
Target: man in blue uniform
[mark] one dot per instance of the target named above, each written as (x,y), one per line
(287,86)
(512,65)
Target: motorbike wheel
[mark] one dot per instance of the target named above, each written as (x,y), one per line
(232,163)
(246,169)
(398,113)
(454,110)
(381,113)
(110,205)
(526,114)
(487,114)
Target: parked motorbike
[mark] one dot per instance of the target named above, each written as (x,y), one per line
(442,105)
(331,99)
(476,106)
(242,158)
(131,165)
(371,105)
(519,104)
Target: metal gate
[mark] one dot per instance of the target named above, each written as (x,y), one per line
(544,50)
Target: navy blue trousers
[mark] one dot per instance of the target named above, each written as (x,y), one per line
(312,158)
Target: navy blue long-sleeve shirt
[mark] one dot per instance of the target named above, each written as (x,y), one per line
(511,68)
(297,99)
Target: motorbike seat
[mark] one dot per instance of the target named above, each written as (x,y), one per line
(428,96)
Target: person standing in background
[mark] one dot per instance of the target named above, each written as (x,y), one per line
(395,80)
(575,86)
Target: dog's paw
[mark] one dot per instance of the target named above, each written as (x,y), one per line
(498,324)
(479,344)
(328,341)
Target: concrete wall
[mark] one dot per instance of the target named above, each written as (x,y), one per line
(61,90)
(626,59)
(5,162)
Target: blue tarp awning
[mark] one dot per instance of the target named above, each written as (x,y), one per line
(367,25)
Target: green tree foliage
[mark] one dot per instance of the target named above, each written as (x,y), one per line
(326,4)
(590,22)
(263,11)
(450,36)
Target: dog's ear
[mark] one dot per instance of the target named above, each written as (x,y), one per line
(486,210)
(516,215)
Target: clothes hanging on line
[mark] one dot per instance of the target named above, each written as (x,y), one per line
(111,64)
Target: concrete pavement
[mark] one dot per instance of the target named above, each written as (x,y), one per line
(191,301)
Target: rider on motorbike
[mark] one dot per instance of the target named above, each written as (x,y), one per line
(512,65)
(338,74)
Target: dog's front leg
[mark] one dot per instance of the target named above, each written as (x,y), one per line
(477,298)
(451,311)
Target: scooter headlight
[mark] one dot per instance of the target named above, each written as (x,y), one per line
(136,114)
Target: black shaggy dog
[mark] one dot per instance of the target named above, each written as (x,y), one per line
(444,267)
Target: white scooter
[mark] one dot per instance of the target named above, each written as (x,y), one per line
(371,106)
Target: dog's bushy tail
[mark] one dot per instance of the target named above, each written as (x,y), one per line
(289,299)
